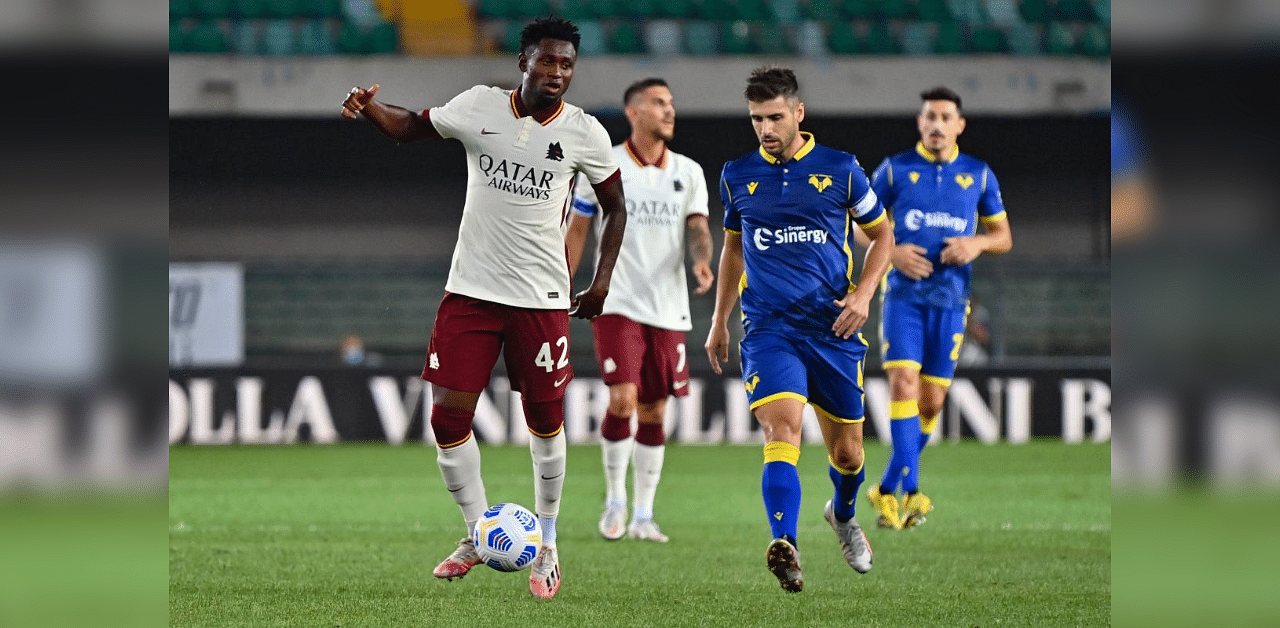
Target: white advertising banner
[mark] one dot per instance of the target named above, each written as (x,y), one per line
(206,314)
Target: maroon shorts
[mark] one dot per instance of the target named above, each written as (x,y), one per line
(469,333)
(653,359)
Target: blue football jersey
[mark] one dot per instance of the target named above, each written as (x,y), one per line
(795,220)
(1125,157)
(930,201)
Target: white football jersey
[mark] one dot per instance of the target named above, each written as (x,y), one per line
(649,283)
(520,175)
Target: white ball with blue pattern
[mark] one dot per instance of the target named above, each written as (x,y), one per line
(507,537)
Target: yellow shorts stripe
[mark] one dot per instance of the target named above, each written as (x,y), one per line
(934,379)
(776,396)
(928,424)
(904,409)
(452,445)
(901,364)
(833,418)
(778,451)
(845,471)
(551,435)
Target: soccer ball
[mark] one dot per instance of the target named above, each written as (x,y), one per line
(507,537)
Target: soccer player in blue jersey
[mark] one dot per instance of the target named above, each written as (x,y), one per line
(1130,197)
(794,203)
(936,195)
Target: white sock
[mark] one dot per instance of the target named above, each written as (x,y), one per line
(617,455)
(648,463)
(548,480)
(460,468)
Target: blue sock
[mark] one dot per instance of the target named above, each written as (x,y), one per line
(780,487)
(847,485)
(904,424)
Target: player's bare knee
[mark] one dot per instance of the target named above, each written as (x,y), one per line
(847,456)
(623,400)
(903,384)
(651,412)
(929,407)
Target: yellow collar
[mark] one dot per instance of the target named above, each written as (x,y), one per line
(804,150)
(924,152)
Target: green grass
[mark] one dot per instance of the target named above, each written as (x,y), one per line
(348,536)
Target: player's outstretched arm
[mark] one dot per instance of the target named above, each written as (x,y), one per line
(731,265)
(964,249)
(857,304)
(397,123)
(590,302)
(698,236)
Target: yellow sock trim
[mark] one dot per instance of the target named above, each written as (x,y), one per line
(452,445)
(778,451)
(845,471)
(928,424)
(551,435)
(903,409)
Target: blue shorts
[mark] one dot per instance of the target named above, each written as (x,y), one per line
(922,337)
(826,373)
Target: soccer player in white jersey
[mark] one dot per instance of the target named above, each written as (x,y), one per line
(640,336)
(509,281)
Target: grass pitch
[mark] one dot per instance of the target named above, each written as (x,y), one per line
(348,536)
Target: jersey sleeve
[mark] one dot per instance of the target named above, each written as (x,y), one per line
(450,119)
(697,205)
(596,161)
(990,203)
(882,183)
(864,205)
(732,218)
(584,197)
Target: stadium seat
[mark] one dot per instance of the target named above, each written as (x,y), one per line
(245,38)
(1035,11)
(735,39)
(1002,12)
(350,39)
(215,9)
(753,10)
(382,39)
(1058,39)
(1102,8)
(674,8)
(248,9)
(894,10)
(1093,42)
(637,9)
(179,9)
(529,9)
(594,40)
(717,10)
(968,11)
(844,40)
(1075,11)
(283,8)
(822,10)
(1024,39)
(811,39)
(626,39)
(278,37)
(772,39)
(880,40)
(364,13)
(511,37)
(949,41)
(785,11)
(858,9)
(207,38)
(320,8)
(701,38)
(315,38)
(917,38)
(662,37)
(988,40)
(179,41)
(935,11)
(601,8)
(497,9)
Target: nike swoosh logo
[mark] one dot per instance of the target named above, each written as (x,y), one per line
(561,381)
(488,132)
(680,385)
(849,503)
(455,490)
(552,477)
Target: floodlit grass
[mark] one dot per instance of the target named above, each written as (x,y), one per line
(348,536)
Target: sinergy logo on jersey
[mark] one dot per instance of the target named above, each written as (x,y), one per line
(765,238)
(915,218)
(517,178)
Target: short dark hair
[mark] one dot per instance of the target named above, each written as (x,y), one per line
(941,93)
(549,27)
(769,82)
(640,86)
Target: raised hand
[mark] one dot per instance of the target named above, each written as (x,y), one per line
(356,99)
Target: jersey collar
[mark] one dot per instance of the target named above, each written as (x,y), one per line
(924,152)
(804,150)
(635,155)
(543,117)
